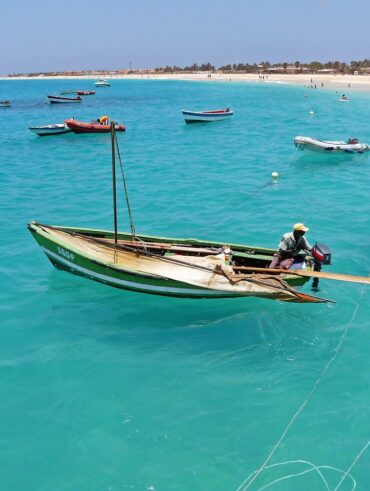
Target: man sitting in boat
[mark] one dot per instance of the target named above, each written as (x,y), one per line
(291,244)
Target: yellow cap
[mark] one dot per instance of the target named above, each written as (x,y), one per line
(300,227)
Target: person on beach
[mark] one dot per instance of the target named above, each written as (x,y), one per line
(291,244)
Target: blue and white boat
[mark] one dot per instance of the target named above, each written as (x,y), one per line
(50,129)
(56,99)
(207,116)
(102,83)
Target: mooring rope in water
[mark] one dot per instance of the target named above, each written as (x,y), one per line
(253,476)
(312,468)
(347,473)
(267,184)
(293,155)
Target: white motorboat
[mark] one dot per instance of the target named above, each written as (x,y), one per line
(56,99)
(51,129)
(329,146)
(206,116)
(102,83)
(5,104)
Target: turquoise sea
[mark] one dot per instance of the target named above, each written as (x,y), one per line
(106,390)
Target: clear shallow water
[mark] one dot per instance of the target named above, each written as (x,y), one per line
(106,390)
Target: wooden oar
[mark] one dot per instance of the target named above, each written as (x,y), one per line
(307,273)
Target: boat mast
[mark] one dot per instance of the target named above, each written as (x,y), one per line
(113,136)
(115,147)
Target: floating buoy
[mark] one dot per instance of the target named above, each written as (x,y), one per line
(311,113)
(275,177)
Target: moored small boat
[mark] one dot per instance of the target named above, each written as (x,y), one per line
(93,127)
(5,104)
(51,129)
(328,146)
(85,92)
(56,99)
(206,116)
(102,83)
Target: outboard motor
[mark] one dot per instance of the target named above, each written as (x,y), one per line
(321,255)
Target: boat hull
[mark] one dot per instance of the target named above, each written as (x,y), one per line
(329,147)
(102,83)
(206,116)
(62,246)
(81,127)
(50,130)
(63,100)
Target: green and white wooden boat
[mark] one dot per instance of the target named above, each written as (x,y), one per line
(187,268)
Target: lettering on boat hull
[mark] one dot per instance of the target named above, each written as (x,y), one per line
(66,254)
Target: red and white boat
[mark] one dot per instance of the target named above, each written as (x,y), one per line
(58,99)
(85,92)
(93,127)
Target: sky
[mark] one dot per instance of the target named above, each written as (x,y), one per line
(45,35)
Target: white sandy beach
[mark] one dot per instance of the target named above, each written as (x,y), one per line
(344,83)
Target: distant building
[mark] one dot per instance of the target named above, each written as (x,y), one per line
(329,71)
(288,69)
